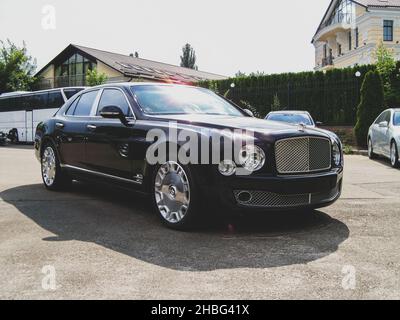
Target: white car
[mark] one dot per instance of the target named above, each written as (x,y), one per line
(292,117)
(384,136)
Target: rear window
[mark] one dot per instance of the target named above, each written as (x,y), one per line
(83,105)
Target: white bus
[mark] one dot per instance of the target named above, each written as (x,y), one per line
(21,112)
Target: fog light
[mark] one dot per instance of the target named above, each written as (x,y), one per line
(227,168)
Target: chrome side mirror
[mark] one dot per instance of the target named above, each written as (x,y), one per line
(249,112)
(383,124)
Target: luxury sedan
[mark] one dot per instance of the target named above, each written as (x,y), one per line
(384,136)
(170,141)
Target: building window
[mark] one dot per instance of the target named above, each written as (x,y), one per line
(350,40)
(339,49)
(387,30)
(357,37)
(72,72)
(343,13)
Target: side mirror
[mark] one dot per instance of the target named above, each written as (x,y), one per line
(318,123)
(113,112)
(383,124)
(249,112)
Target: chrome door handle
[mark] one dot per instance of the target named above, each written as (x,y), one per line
(91,127)
(60,125)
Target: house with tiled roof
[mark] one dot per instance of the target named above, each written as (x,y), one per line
(350,31)
(70,66)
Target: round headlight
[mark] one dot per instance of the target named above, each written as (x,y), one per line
(337,157)
(252,158)
(227,168)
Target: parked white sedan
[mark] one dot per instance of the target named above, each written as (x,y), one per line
(384,136)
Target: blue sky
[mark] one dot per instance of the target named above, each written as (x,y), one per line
(264,35)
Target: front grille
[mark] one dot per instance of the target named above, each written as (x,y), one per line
(266,199)
(300,155)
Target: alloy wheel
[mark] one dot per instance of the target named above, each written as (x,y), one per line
(49,166)
(172,192)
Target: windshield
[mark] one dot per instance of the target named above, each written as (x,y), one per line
(163,99)
(396,119)
(291,118)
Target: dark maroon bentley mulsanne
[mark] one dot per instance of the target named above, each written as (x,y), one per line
(141,135)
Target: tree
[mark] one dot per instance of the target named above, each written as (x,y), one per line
(16,68)
(371,105)
(240,74)
(386,66)
(276,104)
(188,57)
(94,78)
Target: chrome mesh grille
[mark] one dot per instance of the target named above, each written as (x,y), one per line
(273,200)
(305,154)
(265,199)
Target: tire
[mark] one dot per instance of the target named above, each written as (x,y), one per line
(394,155)
(54,178)
(175,196)
(371,153)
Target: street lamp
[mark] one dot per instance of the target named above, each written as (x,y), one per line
(358,74)
(233,85)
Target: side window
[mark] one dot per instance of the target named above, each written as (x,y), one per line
(114,97)
(85,103)
(72,107)
(380,118)
(387,117)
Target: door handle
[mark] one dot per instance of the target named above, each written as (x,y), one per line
(60,125)
(91,127)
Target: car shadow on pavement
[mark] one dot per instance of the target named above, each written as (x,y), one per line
(123,222)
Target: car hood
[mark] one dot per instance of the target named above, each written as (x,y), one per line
(260,126)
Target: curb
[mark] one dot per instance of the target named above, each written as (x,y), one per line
(359,153)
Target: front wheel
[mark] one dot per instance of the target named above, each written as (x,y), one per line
(52,175)
(394,155)
(371,153)
(175,195)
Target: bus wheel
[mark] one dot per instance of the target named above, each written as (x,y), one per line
(54,178)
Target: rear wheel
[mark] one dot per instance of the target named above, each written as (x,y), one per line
(371,153)
(54,178)
(394,155)
(175,195)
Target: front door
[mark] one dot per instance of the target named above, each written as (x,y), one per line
(108,147)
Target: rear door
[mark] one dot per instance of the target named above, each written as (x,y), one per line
(72,129)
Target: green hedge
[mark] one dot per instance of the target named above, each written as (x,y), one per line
(331,97)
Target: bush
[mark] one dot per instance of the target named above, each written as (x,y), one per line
(371,105)
(94,78)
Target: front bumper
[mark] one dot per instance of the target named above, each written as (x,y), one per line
(277,193)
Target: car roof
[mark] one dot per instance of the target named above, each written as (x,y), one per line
(136,84)
(289,112)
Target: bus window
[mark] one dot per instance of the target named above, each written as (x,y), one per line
(39,101)
(71,92)
(55,99)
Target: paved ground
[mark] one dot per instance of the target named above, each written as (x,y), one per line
(105,243)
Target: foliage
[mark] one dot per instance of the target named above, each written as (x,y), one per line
(16,68)
(240,74)
(94,78)
(331,97)
(371,105)
(188,57)
(386,66)
(276,104)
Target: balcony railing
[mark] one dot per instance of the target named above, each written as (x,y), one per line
(346,18)
(328,61)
